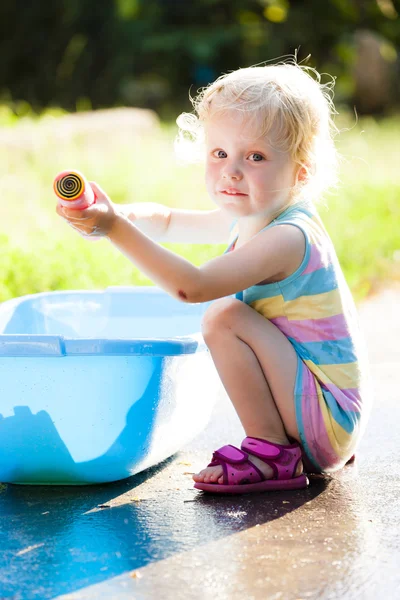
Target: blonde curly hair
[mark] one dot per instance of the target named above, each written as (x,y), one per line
(295,111)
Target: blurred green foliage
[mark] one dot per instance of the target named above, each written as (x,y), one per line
(80,54)
(39,252)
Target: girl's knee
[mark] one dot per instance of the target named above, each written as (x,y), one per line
(219,314)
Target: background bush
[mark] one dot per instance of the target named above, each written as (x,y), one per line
(78,54)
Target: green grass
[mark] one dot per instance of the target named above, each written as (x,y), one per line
(38,252)
(364,214)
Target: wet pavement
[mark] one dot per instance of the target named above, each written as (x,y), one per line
(154,536)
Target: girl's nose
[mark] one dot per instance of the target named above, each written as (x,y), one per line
(232,172)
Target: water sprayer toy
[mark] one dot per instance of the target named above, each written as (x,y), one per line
(73,191)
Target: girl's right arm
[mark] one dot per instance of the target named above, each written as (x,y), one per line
(164,224)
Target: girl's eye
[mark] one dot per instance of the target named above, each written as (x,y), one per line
(256,157)
(220,154)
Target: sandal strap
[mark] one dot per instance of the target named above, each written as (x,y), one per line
(230,454)
(283,459)
(237,469)
(262,448)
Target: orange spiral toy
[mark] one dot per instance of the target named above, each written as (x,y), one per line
(73,191)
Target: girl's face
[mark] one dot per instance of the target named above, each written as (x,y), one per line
(244,174)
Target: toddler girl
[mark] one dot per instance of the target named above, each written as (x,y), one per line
(282,330)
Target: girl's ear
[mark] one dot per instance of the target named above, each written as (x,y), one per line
(302,174)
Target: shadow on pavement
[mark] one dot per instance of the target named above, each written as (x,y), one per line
(57,540)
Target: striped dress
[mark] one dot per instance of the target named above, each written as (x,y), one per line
(314,309)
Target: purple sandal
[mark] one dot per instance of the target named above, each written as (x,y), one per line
(242,477)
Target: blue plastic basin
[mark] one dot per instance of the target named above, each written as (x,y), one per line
(96,386)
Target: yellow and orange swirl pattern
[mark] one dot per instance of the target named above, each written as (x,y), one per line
(69,185)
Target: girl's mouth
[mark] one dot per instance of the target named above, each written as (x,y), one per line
(232,192)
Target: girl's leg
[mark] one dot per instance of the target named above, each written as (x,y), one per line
(257,366)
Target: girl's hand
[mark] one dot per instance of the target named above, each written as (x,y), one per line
(95,221)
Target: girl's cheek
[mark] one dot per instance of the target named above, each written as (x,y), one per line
(211,174)
(211,168)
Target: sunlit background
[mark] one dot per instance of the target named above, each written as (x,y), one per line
(97,86)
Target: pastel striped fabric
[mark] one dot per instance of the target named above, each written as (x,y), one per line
(314,309)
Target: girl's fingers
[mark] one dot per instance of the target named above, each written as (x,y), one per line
(59,209)
(93,221)
(72,215)
(100,194)
(82,214)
